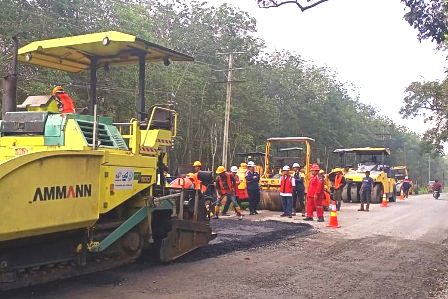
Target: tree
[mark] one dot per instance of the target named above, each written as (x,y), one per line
(430,101)
(300,4)
(282,94)
(429,18)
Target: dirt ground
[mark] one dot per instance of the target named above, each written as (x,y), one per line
(395,252)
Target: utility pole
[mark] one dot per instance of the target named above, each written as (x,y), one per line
(230,70)
(10,82)
(429,167)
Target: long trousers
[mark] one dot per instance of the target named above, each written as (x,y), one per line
(312,204)
(299,201)
(254,199)
(338,198)
(287,205)
(230,199)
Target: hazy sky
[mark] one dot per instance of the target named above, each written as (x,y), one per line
(366,42)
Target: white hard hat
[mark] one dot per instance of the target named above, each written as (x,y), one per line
(286,167)
(234,169)
(406,177)
(250,164)
(295,165)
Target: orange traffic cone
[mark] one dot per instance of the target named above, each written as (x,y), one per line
(401,195)
(333,216)
(385,203)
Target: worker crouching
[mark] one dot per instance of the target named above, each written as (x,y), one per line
(226,187)
(315,195)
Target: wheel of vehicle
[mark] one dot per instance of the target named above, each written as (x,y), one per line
(377,193)
(397,188)
(393,197)
(346,194)
(354,194)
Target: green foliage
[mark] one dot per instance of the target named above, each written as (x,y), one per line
(429,18)
(429,100)
(282,95)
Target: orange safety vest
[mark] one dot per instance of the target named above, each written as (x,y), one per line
(227,186)
(67,103)
(196,181)
(338,181)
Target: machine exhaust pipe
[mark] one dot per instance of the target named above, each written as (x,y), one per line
(10,83)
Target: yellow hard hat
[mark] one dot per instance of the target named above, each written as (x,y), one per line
(220,170)
(57,89)
(190,175)
(321,171)
(197,163)
(243,165)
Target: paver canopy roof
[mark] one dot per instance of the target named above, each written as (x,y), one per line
(75,53)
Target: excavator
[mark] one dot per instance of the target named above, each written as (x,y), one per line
(80,193)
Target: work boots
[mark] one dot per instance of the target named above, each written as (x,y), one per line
(362,207)
(238,212)
(216,212)
(367,206)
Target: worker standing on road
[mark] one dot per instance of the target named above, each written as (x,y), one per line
(406,186)
(339,183)
(287,184)
(64,101)
(234,171)
(366,191)
(327,186)
(226,187)
(299,190)
(253,187)
(315,195)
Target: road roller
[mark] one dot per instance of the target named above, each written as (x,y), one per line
(373,159)
(282,151)
(80,193)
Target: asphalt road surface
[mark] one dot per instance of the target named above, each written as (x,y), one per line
(395,252)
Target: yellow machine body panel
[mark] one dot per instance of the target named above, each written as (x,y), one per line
(123,176)
(50,202)
(67,186)
(378,177)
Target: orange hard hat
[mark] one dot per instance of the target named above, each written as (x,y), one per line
(315,167)
(57,89)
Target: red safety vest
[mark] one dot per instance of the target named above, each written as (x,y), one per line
(67,103)
(227,186)
(338,181)
(286,184)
